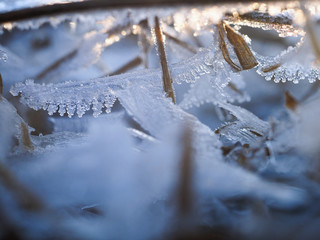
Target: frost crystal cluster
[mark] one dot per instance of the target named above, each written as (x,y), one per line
(148,121)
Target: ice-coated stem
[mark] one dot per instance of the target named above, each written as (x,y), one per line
(255,16)
(167,80)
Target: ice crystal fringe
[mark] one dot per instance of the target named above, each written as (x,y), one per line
(282,23)
(78,97)
(294,64)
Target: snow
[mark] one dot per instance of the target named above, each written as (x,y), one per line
(104,170)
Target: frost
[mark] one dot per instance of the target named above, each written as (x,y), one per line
(102,92)
(281,22)
(294,64)
(98,171)
(207,61)
(293,73)
(247,129)
(70,97)
(3,56)
(126,170)
(203,92)
(96,19)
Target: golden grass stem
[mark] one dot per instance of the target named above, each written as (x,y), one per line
(111,33)
(26,141)
(234,88)
(180,42)
(261,17)
(56,64)
(167,80)
(241,48)
(271,68)
(290,102)
(224,50)
(185,189)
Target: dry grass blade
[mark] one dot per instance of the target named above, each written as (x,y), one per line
(244,54)
(234,88)
(218,131)
(25,198)
(111,34)
(270,68)
(128,66)
(224,50)
(262,17)
(185,189)
(255,133)
(167,81)
(181,43)
(282,22)
(290,102)
(56,64)
(26,141)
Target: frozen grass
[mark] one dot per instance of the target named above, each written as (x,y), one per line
(187,139)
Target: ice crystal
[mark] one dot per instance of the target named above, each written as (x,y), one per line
(282,23)
(294,64)
(3,56)
(208,61)
(102,92)
(204,92)
(247,128)
(122,168)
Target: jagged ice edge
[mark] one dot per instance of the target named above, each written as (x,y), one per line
(100,92)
